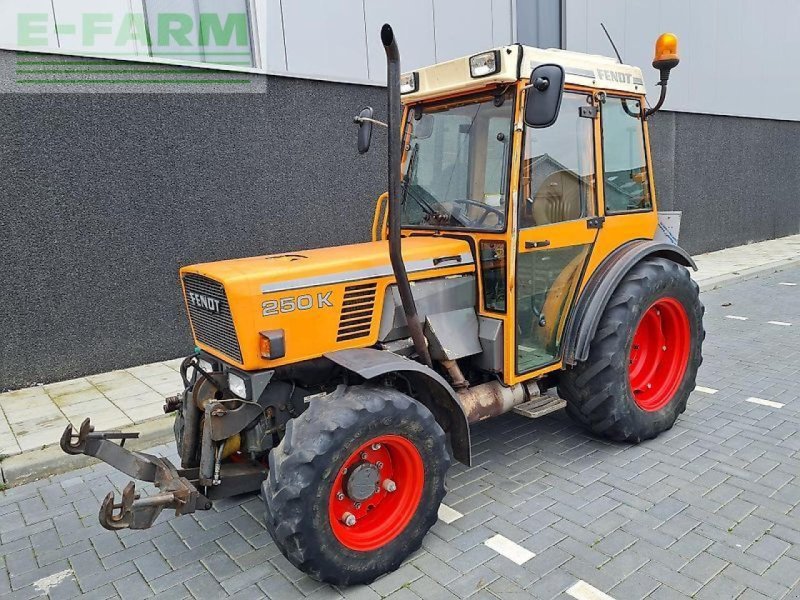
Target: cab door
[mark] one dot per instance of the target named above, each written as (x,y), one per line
(557,203)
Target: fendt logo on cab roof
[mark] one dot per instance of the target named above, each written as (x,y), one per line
(203,301)
(616,76)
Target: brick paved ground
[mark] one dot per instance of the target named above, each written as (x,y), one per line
(708,510)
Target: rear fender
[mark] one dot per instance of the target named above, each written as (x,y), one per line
(585,317)
(440,398)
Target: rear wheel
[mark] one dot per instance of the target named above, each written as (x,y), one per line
(356,483)
(644,358)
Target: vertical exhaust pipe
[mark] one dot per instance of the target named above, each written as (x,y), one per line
(395,250)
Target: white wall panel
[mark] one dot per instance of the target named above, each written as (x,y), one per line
(412,22)
(236,48)
(270,24)
(737,56)
(39,15)
(93,26)
(462,27)
(326,39)
(161,16)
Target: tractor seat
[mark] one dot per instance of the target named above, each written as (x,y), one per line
(558,199)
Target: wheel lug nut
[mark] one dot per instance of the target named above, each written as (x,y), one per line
(340,496)
(376,446)
(357,504)
(349,519)
(389,485)
(364,456)
(379,464)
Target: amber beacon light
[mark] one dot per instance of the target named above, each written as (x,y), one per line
(666,59)
(666,56)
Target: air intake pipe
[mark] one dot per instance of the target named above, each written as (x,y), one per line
(395,149)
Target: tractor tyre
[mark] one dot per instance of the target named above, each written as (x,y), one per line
(644,357)
(355,484)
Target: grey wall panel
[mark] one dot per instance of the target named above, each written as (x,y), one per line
(539,23)
(412,22)
(662,144)
(735,179)
(105,196)
(326,39)
(736,54)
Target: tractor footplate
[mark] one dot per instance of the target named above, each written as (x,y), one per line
(133,511)
(540,406)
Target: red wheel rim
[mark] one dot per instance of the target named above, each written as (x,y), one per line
(659,354)
(393,464)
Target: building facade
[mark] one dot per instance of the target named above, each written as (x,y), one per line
(115,172)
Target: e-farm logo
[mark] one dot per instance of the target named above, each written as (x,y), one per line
(202,39)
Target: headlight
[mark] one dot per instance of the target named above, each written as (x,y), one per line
(237,386)
(206,366)
(409,82)
(484,64)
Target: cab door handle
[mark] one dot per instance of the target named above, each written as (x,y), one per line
(539,244)
(441,259)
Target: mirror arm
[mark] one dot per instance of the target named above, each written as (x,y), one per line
(359,120)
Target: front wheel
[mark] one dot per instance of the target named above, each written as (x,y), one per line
(355,484)
(644,358)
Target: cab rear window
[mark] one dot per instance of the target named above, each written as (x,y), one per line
(625,180)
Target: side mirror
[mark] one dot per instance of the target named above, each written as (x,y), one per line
(364,121)
(543,101)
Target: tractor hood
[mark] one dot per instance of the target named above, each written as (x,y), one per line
(317,300)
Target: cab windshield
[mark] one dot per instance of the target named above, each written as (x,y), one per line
(455,168)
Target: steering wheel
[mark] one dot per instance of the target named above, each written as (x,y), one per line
(487,210)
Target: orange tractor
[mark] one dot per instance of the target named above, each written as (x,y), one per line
(514,253)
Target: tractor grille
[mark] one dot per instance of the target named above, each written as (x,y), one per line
(213,328)
(357,311)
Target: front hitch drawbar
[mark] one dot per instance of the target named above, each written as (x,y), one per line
(133,511)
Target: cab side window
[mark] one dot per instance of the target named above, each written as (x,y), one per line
(558,174)
(625,180)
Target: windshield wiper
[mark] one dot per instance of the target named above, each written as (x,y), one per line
(412,164)
(433,216)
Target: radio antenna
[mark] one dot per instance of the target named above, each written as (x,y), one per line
(619,58)
(613,45)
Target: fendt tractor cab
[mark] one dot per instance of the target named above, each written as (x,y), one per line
(514,253)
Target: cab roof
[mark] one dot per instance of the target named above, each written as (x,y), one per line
(517,61)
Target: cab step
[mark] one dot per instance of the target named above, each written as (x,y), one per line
(539,406)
